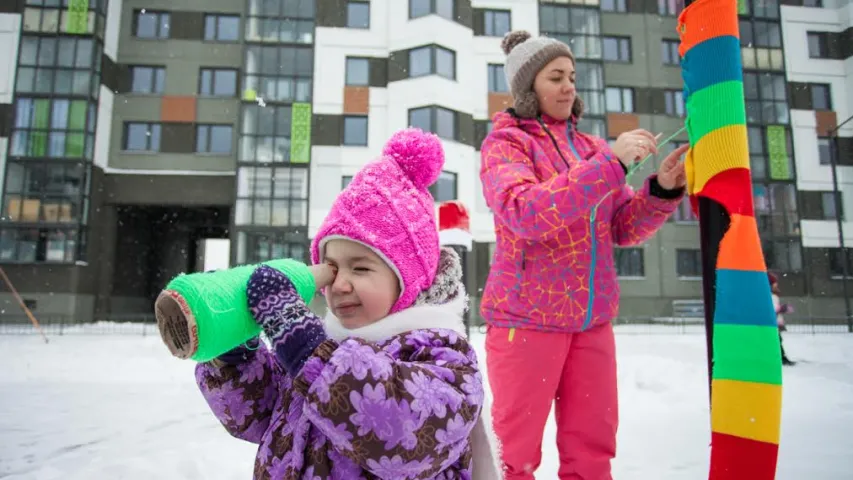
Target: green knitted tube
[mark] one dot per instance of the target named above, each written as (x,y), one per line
(203,315)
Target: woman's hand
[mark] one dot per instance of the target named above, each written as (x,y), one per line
(324,275)
(671,174)
(633,146)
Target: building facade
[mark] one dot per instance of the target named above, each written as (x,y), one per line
(140,128)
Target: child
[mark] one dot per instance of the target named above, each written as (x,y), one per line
(780,309)
(387,386)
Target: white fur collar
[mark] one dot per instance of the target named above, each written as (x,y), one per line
(447,316)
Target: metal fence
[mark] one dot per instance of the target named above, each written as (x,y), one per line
(145,324)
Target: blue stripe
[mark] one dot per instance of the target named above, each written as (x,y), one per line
(713,61)
(744,298)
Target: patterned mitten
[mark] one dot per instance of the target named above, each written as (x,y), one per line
(292,328)
(240,354)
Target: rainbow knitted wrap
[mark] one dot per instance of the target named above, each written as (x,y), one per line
(746,379)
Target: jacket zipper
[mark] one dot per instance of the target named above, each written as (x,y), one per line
(593,240)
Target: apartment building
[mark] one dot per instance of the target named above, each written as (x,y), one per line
(139,129)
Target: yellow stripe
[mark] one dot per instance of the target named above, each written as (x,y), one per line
(511,333)
(746,409)
(723,149)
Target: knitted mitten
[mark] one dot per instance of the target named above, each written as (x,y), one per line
(292,328)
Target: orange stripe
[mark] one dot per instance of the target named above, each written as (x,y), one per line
(709,19)
(740,248)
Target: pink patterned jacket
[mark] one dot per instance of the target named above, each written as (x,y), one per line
(553,268)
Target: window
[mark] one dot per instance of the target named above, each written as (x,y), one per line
(279,73)
(218,82)
(765,8)
(620,99)
(64,65)
(355,131)
(759,33)
(57,128)
(213,139)
(614,6)
(836,267)
(824,150)
(821,96)
(358,14)
(497,79)
(150,24)
(265,134)
(497,23)
(432,60)
(438,120)
(444,189)
(345,181)
(222,28)
(688,263)
(669,7)
(358,71)
(669,52)
(776,210)
(766,98)
(576,26)
(684,213)
(421,8)
(275,21)
(629,262)
(674,102)
(831,208)
(273,197)
(147,79)
(617,49)
(141,137)
(783,255)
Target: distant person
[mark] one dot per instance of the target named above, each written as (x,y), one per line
(552,291)
(780,308)
(386,386)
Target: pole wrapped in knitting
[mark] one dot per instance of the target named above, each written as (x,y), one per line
(203,315)
(745,369)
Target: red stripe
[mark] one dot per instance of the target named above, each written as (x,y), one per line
(736,458)
(732,189)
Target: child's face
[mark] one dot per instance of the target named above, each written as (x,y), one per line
(365,287)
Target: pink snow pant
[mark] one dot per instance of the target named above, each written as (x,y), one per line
(575,371)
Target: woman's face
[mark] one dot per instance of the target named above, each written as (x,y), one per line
(555,88)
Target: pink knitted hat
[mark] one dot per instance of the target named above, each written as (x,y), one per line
(387,207)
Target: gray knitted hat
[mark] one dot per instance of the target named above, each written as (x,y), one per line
(525,57)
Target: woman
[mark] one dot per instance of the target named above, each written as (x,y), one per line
(560,203)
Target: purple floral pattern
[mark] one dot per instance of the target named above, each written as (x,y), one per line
(400,409)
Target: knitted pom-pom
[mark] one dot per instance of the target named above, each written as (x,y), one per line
(419,154)
(513,38)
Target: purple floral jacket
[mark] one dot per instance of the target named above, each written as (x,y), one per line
(399,408)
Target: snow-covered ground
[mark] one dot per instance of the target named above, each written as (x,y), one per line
(120,407)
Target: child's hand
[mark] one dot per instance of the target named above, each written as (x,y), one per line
(324,274)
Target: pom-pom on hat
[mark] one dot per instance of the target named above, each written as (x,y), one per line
(526,56)
(388,208)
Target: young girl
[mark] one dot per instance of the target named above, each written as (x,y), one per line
(387,386)
(781,308)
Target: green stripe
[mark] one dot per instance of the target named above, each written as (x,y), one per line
(715,107)
(747,353)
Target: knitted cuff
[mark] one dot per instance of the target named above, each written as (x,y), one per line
(292,328)
(656,190)
(242,353)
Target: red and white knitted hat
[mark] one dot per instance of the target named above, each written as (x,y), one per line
(454,225)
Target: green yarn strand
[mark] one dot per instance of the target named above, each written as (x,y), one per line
(219,303)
